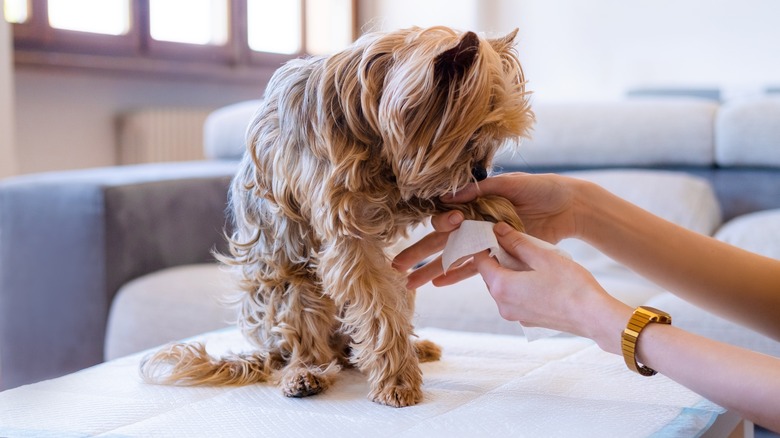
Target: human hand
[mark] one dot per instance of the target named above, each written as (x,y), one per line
(431,244)
(555,293)
(544,202)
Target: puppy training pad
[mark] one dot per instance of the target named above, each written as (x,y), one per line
(484,385)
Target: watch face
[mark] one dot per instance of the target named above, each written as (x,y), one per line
(655,315)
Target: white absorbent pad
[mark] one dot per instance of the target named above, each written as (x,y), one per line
(484,385)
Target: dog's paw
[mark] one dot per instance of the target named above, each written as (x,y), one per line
(398,396)
(427,351)
(303,383)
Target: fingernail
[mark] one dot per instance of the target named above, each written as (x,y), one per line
(502,228)
(455,218)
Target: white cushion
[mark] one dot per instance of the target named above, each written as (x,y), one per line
(757,232)
(225,129)
(636,132)
(748,133)
(168,305)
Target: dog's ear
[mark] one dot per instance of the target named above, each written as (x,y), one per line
(458,59)
(505,42)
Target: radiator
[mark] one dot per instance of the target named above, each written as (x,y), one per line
(161,134)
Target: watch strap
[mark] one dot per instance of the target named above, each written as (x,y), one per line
(642,316)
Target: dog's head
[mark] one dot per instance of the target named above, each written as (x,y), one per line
(441,103)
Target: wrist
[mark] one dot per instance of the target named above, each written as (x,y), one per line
(584,208)
(602,318)
(608,335)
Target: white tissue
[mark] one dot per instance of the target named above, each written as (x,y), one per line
(476,236)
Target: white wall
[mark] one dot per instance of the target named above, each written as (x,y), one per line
(8,165)
(396,14)
(597,49)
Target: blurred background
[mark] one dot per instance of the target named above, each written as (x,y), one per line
(87,83)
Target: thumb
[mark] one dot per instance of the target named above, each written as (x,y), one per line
(488,267)
(521,246)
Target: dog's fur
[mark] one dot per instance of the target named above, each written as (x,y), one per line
(346,154)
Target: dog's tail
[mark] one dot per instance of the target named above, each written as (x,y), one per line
(190,365)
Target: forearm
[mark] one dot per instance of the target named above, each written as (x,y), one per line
(737,379)
(717,276)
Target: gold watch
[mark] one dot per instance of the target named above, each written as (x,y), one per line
(643,315)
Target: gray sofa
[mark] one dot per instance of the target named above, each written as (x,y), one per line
(69,240)
(100,263)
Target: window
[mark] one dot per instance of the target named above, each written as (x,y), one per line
(110,17)
(190,37)
(268,26)
(16,11)
(206,21)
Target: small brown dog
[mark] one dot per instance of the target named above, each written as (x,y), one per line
(346,154)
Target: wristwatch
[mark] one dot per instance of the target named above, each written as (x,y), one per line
(642,316)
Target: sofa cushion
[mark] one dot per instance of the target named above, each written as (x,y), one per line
(169,305)
(637,132)
(224,132)
(747,133)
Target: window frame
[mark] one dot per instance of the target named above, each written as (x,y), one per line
(36,43)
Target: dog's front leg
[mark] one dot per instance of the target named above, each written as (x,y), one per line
(357,274)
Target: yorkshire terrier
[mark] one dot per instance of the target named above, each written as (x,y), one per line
(346,154)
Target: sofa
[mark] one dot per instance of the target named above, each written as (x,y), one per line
(97,264)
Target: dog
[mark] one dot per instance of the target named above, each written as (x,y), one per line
(346,153)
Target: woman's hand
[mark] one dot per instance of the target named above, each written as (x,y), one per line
(546,203)
(429,245)
(555,293)
(543,202)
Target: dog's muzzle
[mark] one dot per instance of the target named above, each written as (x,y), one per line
(479,173)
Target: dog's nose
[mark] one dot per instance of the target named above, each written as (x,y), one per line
(479,173)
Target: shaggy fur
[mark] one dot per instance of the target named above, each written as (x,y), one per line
(345,155)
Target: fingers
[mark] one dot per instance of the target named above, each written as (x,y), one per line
(424,248)
(467,194)
(486,266)
(424,274)
(444,223)
(519,245)
(497,185)
(430,244)
(455,275)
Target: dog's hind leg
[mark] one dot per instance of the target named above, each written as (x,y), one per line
(304,326)
(292,321)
